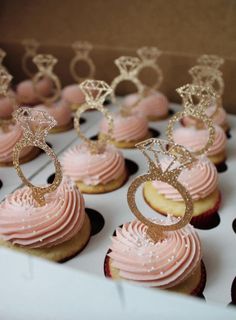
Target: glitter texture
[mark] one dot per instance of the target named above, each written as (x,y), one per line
(210,60)
(31,47)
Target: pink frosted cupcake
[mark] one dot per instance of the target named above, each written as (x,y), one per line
(201,181)
(7,105)
(61,112)
(74,96)
(195,139)
(56,231)
(154,105)
(9,136)
(95,173)
(174,264)
(128,130)
(26,94)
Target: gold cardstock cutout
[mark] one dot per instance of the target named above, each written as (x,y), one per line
(128,67)
(31,47)
(182,158)
(82,53)
(95,92)
(204,96)
(45,64)
(149,56)
(35,124)
(210,60)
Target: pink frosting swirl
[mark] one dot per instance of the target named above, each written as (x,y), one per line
(155,104)
(60,111)
(130,128)
(7,106)
(23,223)
(26,93)
(80,165)
(164,264)
(194,139)
(73,94)
(220,118)
(200,180)
(8,139)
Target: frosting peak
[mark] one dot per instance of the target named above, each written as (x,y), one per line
(25,224)
(164,264)
(73,94)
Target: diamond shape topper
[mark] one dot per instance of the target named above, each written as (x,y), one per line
(211,60)
(2,55)
(175,157)
(31,46)
(36,123)
(208,76)
(196,95)
(5,79)
(45,62)
(149,53)
(128,65)
(82,47)
(95,91)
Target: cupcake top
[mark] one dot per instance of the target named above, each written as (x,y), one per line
(92,169)
(8,139)
(24,223)
(163,264)
(194,139)
(7,105)
(129,128)
(59,110)
(73,94)
(201,179)
(26,93)
(154,104)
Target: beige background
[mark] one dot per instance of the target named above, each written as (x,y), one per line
(183,29)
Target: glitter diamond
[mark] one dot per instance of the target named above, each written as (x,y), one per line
(127,64)
(31,46)
(45,61)
(5,79)
(95,90)
(149,53)
(82,47)
(210,60)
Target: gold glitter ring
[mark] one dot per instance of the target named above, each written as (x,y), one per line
(169,175)
(90,63)
(156,68)
(31,47)
(95,92)
(35,124)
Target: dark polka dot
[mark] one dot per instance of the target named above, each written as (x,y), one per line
(0,184)
(50,179)
(228,134)
(234,225)
(131,166)
(233,293)
(222,167)
(107,101)
(171,112)
(82,121)
(154,132)
(95,137)
(210,222)
(96,219)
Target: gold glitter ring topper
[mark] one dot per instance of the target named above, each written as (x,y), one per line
(82,53)
(196,100)
(211,77)
(35,124)
(31,47)
(95,92)
(128,67)
(176,158)
(149,57)
(210,60)
(45,64)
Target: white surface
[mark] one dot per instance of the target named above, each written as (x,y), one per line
(218,244)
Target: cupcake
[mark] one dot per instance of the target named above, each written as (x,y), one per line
(173,264)
(95,173)
(154,105)
(201,181)
(27,95)
(56,231)
(9,136)
(195,139)
(128,130)
(73,95)
(61,112)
